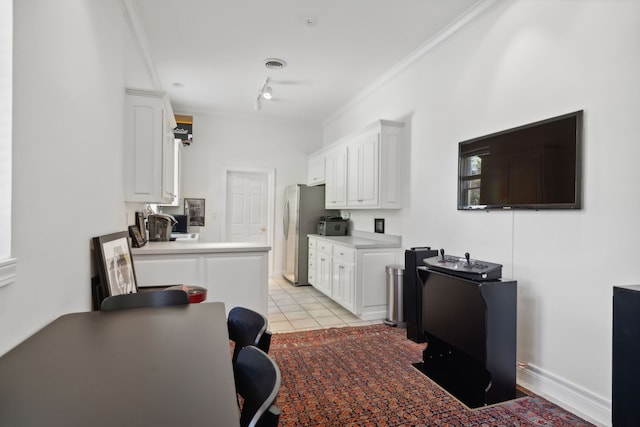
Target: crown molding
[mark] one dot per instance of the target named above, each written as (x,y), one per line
(140,37)
(477,10)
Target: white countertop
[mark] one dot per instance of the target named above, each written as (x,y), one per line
(363,240)
(191,247)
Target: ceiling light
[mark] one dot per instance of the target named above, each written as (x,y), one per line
(267,92)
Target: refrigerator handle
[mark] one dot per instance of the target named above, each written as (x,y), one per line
(285,220)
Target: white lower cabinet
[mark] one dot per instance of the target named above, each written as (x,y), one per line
(235,278)
(342,283)
(355,278)
(343,276)
(323,267)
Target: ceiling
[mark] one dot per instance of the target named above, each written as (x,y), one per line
(209,54)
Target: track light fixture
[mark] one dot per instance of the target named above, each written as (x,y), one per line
(265,93)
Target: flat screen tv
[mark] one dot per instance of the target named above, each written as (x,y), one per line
(534,166)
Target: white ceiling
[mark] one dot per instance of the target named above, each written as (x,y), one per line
(216,49)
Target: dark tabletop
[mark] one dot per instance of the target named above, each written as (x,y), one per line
(168,366)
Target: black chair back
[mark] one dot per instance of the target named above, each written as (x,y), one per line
(145,299)
(247,327)
(258,382)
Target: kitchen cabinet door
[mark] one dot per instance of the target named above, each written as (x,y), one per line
(148,149)
(336,179)
(169,172)
(316,170)
(343,276)
(323,272)
(172,171)
(363,155)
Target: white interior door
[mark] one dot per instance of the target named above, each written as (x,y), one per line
(247,206)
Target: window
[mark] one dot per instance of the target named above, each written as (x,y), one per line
(7,264)
(470,176)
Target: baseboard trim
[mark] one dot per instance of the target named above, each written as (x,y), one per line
(7,271)
(373,314)
(575,399)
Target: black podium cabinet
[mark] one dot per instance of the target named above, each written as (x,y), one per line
(471,336)
(412,291)
(625,400)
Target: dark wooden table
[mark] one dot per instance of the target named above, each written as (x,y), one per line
(168,366)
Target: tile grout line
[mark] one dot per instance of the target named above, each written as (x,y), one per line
(286,299)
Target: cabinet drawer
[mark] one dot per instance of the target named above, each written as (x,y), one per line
(311,277)
(312,254)
(324,247)
(344,253)
(312,244)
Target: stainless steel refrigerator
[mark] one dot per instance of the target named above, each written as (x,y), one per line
(303,207)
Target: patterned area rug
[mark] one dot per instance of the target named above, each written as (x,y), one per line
(363,376)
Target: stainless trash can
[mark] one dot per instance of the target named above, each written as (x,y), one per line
(395,316)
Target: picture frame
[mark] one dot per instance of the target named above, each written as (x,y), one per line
(141,226)
(195,209)
(115,264)
(137,241)
(378,225)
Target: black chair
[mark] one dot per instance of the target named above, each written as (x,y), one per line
(145,299)
(248,327)
(258,382)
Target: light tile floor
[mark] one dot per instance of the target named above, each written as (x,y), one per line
(302,308)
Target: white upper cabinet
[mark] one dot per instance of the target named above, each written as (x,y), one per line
(393,166)
(176,145)
(169,172)
(363,154)
(149,149)
(316,169)
(336,178)
(365,170)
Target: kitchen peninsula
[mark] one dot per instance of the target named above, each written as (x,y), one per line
(232,272)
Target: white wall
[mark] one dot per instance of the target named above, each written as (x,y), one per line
(6,48)
(525,61)
(223,142)
(68,110)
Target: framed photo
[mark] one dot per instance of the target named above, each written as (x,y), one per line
(378,225)
(195,209)
(140,224)
(137,241)
(114,263)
